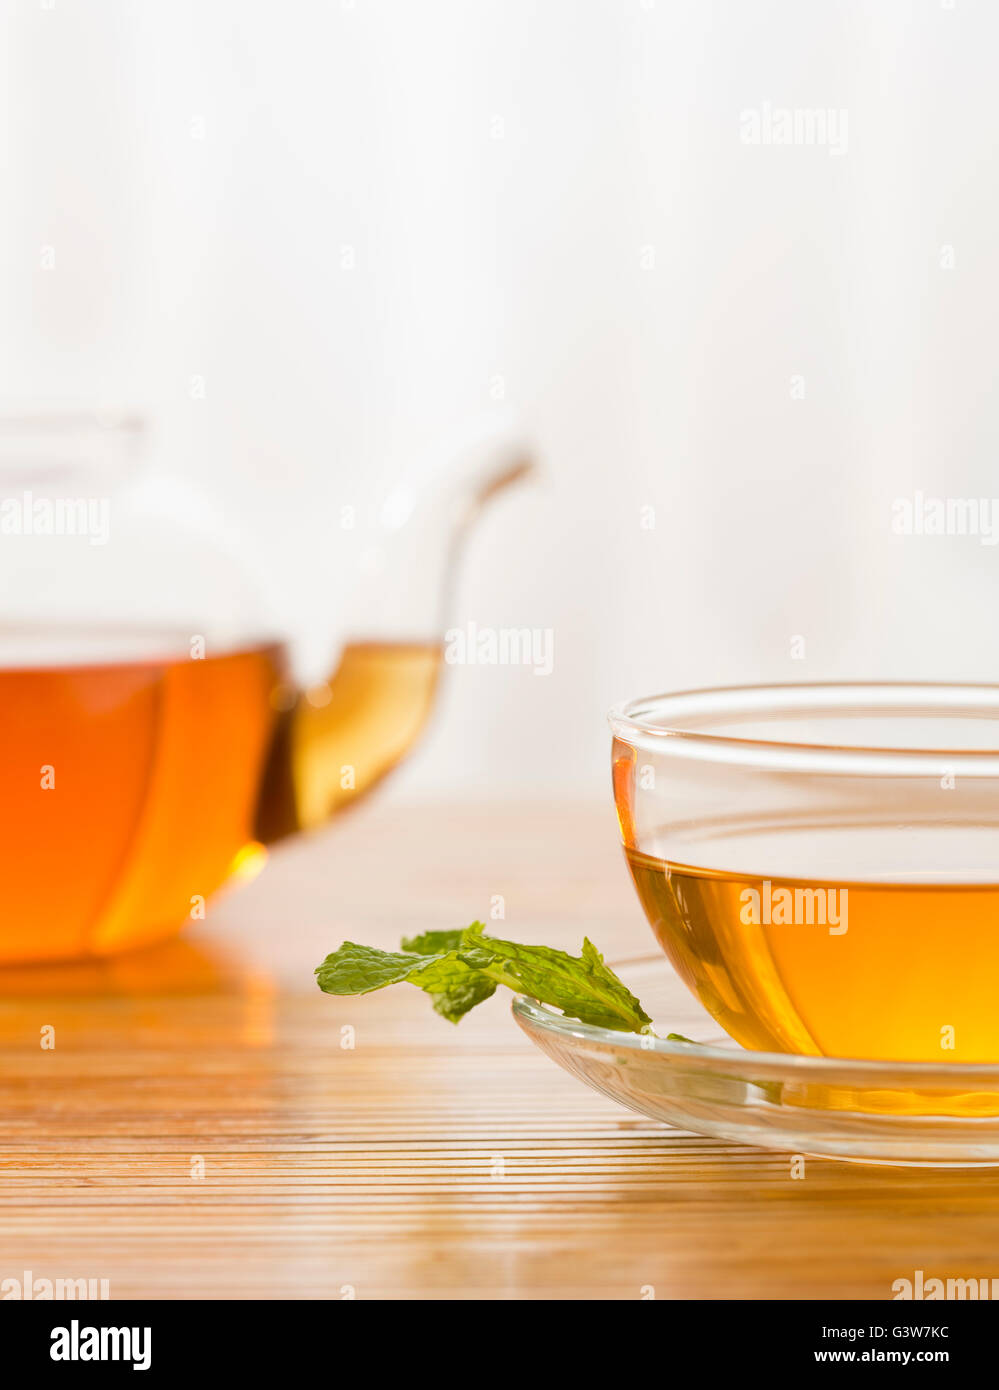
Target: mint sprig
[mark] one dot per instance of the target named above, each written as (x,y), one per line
(460,969)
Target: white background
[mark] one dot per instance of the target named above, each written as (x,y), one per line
(555,193)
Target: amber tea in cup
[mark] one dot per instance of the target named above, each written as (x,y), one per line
(819,862)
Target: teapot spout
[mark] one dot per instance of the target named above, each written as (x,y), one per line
(334,742)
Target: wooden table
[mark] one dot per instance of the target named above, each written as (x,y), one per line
(204,1127)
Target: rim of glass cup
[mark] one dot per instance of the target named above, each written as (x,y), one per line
(656,723)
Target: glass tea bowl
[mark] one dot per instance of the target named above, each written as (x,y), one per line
(820,863)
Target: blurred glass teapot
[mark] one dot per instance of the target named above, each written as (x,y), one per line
(150,737)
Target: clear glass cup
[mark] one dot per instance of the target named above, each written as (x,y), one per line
(821,862)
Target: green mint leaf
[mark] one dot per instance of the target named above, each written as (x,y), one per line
(610,982)
(454,986)
(582,987)
(459,969)
(454,1003)
(431,942)
(355,969)
(437,974)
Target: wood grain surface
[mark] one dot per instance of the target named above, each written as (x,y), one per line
(209,1125)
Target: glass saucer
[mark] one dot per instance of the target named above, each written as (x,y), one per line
(942,1114)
